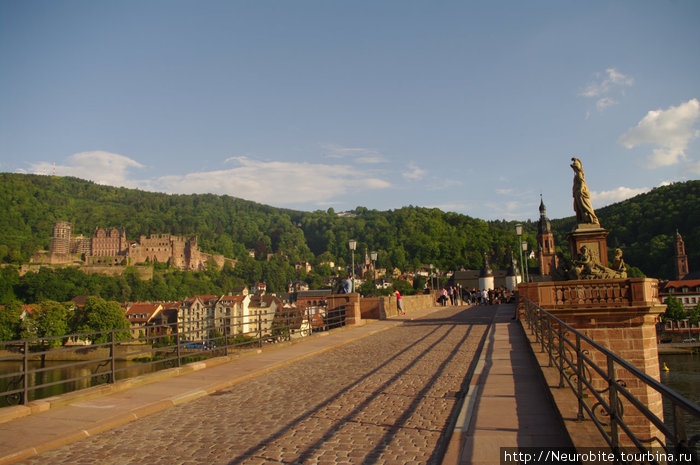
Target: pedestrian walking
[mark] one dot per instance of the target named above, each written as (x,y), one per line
(399,303)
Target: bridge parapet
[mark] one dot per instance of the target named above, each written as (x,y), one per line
(619,315)
(593,294)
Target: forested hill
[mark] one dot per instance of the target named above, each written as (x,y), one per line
(643,226)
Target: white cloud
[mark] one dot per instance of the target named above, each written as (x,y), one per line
(603,198)
(275,182)
(269,182)
(607,82)
(671,130)
(605,102)
(97,166)
(413,172)
(610,82)
(358,154)
(504,191)
(694,167)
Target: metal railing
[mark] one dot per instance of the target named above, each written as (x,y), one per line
(32,369)
(600,391)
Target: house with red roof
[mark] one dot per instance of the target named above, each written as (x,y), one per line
(687,291)
(139,315)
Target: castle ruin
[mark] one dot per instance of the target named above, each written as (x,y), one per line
(111,247)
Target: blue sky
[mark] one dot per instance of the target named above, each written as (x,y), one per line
(472,107)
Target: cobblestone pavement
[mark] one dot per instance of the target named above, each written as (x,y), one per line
(385,399)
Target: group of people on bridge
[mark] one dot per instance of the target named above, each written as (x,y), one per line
(455,295)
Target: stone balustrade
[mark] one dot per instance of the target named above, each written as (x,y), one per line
(594,293)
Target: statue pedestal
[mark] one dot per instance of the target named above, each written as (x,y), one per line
(592,236)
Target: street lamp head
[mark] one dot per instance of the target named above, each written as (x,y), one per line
(352,243)
(524,246)
(519,229)
(373,256)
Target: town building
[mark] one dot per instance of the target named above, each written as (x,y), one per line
(230,314)
(261,314)
(687,291)
(303,265)
(140,315)
(164,323)
(195,317)
(297,286)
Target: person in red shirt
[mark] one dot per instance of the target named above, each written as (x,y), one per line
(399,304)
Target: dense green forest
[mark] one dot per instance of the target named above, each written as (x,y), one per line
(644,227)
(404,238)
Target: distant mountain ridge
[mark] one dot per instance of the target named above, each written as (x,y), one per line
(644,226)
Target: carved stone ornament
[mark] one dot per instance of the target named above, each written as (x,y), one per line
(587,266)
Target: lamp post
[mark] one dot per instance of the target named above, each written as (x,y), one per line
(519,232)
(373,257)
(527,277)
(353,245)
(432,287)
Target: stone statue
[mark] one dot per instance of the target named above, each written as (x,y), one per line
(487,271)
(582,197)
(587,266)
(618,264)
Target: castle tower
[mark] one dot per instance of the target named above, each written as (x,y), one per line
(60,239)
(546,255)
(681,258)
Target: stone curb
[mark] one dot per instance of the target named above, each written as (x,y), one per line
(453,451)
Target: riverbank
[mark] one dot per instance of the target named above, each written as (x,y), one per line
(679,348)
(83,353)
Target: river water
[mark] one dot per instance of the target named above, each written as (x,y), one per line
(54,374)
(683,376)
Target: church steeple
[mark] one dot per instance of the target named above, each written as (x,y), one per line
(543,225)
(681,257)
(543,209)
(546,254)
